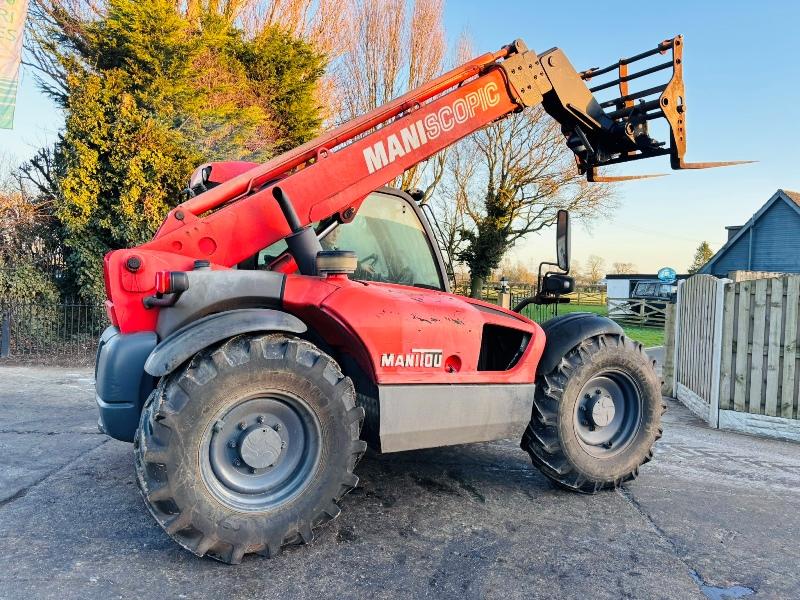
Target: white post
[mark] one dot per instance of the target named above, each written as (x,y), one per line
(504,299)
(716,354)
(676,353)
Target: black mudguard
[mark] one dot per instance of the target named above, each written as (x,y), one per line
(180,346)
(565,332)
(121,384)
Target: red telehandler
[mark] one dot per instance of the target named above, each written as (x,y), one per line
(287,315)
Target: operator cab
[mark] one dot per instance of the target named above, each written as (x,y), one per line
(394,243)
(390,236)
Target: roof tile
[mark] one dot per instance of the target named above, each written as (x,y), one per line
(793,196)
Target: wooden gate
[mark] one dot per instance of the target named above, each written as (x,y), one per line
(698,338)
(637,311)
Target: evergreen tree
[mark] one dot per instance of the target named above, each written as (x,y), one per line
(701,256)
(149,93)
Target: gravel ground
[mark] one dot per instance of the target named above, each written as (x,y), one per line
(715,515)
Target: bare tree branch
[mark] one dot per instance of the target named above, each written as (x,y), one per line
(510,180)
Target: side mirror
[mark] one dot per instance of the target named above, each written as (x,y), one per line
(562,240)
(553,285)
(550,288)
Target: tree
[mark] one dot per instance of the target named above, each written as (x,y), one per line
(151,89)
(26,248)
(576,270)
(595,269)
(511,179)
(321,23)
(515,272)
(392,46)
(623,268)
(702,255)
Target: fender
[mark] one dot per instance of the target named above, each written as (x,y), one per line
(184,343)
(122,386)
(217,291)
(565,332)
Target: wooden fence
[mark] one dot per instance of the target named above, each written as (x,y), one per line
(759,347)
(697,345)
(522,289)
(588,297)
(737,276)
(736,361)
(634,311)
(491,289)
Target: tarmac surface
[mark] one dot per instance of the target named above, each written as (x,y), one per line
(715,515)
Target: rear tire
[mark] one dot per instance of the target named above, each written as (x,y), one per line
(596,416)
(249,447)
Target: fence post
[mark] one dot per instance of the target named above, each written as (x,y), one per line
(668,368)
(676,355)
(5,333)
(504,299)
(716,355)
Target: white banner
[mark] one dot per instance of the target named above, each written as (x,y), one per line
(12,24)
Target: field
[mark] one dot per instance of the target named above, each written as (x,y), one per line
(649,336)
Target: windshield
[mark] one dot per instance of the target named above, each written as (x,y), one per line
(390,242)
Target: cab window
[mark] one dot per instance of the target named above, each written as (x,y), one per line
(390,242)
(388,239)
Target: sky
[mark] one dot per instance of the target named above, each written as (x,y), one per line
(742,75)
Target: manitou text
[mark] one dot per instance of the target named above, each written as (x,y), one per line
(418,357)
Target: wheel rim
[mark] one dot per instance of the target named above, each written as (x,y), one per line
(261,452)
(608,414)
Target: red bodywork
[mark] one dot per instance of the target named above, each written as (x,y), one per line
(396,320)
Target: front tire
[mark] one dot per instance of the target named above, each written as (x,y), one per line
(596,416)
(249,447)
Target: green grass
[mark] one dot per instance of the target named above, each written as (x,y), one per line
(599,309)
(649,336)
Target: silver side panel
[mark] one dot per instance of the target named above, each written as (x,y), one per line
(427,416)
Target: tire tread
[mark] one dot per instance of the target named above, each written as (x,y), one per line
(541,438)
(161,414)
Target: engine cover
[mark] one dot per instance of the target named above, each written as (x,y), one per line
(407,335)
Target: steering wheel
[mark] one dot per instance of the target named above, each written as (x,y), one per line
(366,268)
(403,275)
(372,260)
